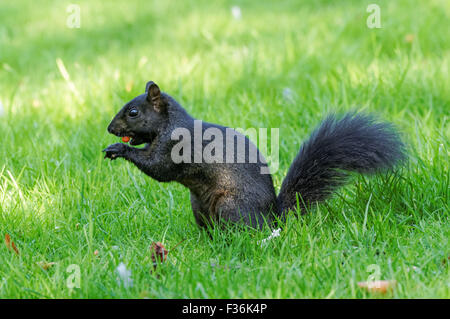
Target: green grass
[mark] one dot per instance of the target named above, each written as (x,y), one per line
(60,201)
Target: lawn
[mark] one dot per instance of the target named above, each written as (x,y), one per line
(75,217)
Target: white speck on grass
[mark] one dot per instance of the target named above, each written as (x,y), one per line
(142,61)
(116,74)
(416,269)
(236,12)
(124,276)
(2,111)
(275,233)
(289,95)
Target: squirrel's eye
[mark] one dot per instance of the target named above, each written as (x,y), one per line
(133,112)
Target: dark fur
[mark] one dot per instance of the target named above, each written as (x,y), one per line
(353,143)
(238,192)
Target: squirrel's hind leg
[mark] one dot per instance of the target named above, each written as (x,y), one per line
(201,219)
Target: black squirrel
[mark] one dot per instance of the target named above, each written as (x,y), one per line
(236,191)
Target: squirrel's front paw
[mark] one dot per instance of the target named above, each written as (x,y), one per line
(115,150)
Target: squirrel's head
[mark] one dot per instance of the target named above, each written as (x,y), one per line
(143,117)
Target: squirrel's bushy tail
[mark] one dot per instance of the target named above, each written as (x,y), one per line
(352,143)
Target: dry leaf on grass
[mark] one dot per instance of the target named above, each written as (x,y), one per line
(159,253)
(129,86)
(378,286)
(46,265)
(10,244)
(409,38)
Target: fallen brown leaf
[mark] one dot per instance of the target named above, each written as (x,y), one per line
(10,244)
(378,286)
(7,241)
(46,265)
(15,248)
(409,38)
(159,253)
(129,86)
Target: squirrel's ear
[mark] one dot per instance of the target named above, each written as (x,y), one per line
(153,95)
